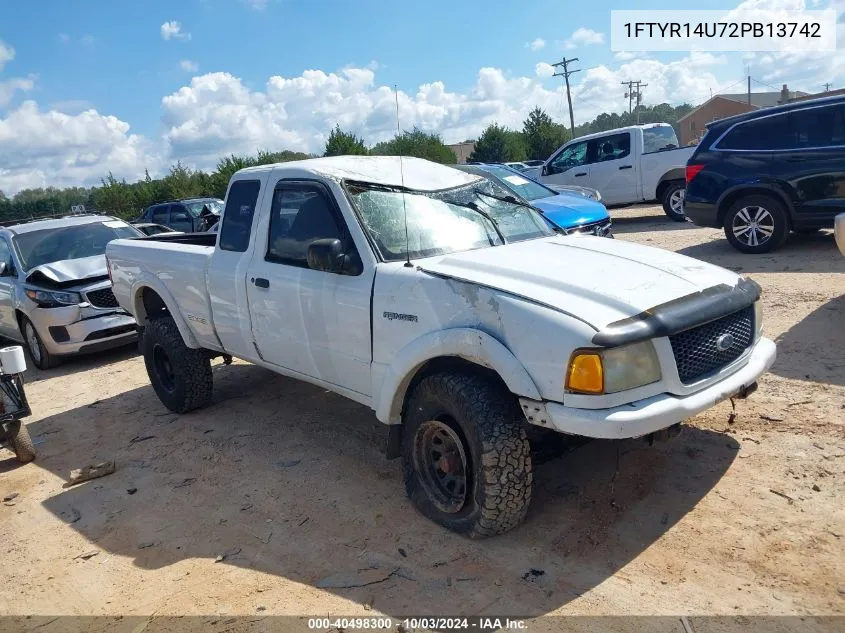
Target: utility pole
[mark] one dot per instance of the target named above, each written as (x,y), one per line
(565,74)
(634,93)
(827,87)
(629,93)
(749,89)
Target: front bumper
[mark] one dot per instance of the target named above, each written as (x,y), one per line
(74,329)
(839,232)
(650,414)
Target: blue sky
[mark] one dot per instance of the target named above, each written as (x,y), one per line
(94,85)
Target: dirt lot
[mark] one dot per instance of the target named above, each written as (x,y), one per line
(288,484)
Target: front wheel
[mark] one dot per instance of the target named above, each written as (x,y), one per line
(756,224)
(466,457)
(673,201)
(41,358)
(180,376)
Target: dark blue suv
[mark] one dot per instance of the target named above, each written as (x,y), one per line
(763,174)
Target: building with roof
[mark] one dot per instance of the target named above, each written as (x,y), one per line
(691,126)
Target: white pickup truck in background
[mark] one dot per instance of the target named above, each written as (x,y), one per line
(455,313)
(633,164)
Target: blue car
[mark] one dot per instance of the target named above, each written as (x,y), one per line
(572,212)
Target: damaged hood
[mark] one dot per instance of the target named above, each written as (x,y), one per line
(69,271)
(595,279)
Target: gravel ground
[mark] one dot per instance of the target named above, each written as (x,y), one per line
(285,484)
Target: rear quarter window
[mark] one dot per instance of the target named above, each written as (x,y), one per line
(237,217)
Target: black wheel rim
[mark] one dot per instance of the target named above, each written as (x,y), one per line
(440,460)
(163,368)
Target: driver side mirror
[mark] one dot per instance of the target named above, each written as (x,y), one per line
(327,255)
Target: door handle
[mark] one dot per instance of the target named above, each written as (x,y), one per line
(626,167)
(260,282)
(583,173)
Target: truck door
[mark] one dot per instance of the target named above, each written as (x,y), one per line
(570,166)
(615,172)
(228,266)
(313,322)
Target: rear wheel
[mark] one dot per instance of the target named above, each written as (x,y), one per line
(180,376)
(466,457)
(756,224)
(673,201)
(41,358)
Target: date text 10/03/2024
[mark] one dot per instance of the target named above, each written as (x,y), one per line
(421,623)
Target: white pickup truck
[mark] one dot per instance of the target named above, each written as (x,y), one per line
(455,313)
(640,163)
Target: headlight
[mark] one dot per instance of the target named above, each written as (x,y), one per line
(53,298)
(758,319)
(597,196)
(597,371)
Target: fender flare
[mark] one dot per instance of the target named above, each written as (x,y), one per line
(676,173)
(147,280)
(469,344)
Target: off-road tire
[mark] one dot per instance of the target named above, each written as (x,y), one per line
(778,214)
(42,359)
(491,426)
(666,200)
(192,381)
(21,442)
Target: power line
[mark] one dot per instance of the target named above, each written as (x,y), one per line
(635,95)
(565,74)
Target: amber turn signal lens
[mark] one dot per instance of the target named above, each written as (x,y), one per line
(585,373)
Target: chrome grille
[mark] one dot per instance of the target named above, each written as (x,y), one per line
(599,229)
(103,298)
(704,349)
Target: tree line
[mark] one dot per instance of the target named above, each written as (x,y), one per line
(538,138)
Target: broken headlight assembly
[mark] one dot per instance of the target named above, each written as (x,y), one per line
(53,298)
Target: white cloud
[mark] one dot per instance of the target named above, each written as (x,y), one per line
(583,37)
(188,66)
(258,5)
(216,113)
(87,40)
(544,70)
(626,56)
(7,54)
(807,71)
(172,30)
(39,148)
(9,87)
(536,45)
(64,38)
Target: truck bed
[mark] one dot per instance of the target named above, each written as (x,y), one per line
(176,267)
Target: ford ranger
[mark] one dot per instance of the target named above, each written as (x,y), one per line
(459,316)
(639,163)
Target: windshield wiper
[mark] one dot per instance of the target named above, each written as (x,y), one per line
(483,214)
(510,199)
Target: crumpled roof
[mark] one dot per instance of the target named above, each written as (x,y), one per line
(417,173)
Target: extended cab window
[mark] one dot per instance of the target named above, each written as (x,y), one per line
(159,214)
(610,147)
(299,216)
(573,156)
(237,218)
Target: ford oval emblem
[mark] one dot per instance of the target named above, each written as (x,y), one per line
(725,342)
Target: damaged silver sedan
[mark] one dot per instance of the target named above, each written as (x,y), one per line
(55,293)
